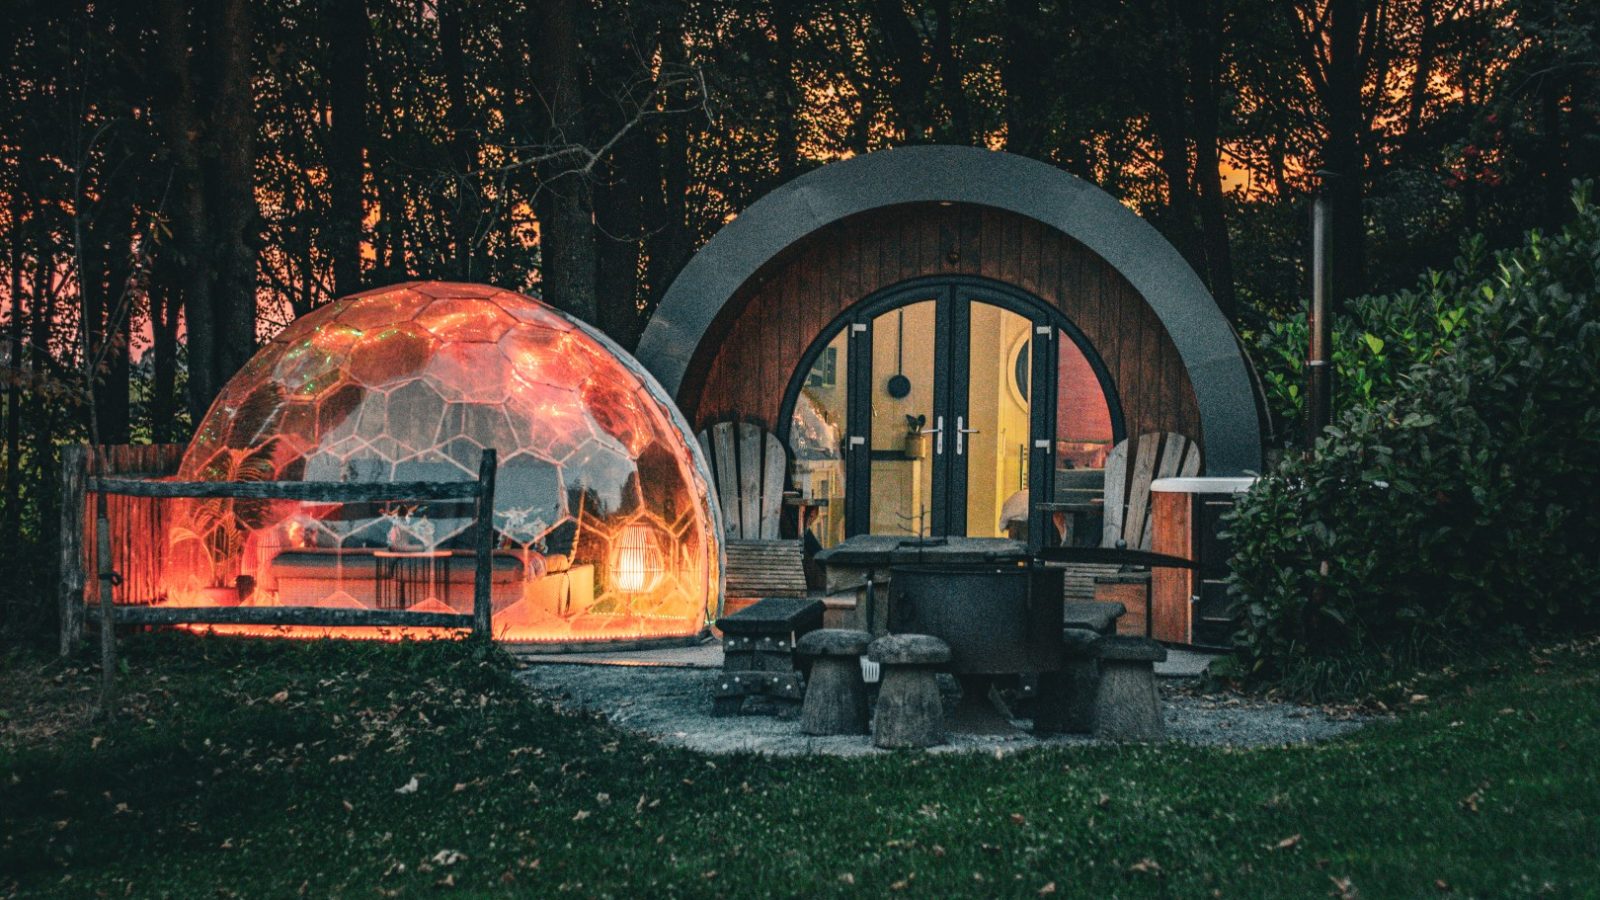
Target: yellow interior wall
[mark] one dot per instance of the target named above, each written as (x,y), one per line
(995,468)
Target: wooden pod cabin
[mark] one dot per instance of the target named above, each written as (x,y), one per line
(950,341)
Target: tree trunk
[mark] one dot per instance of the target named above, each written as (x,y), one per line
(1342,152)
(912,73)
(347,29)
(236,220)
(164,304)
(116,247)
(565,208)
(1024,67)
(786,149)
(670,240)
(463,144)
(216,223)
(1204,28)
(10,530)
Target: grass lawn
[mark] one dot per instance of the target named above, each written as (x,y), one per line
(274,768)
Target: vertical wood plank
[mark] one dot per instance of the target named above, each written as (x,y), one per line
(108,627)
(1116,494)
(1135,528)
(774,468)
(69,593)
(750,480)
(482,601)
(722,442)
(1173,448)
(1170,589)
(1190,466)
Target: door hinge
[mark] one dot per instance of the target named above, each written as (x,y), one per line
(856,440)
(858,327)
(1041,329)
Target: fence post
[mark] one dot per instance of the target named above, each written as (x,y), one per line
(69,592)
(482,603)
(108,619)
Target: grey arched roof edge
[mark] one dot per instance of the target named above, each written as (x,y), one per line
(1229,428)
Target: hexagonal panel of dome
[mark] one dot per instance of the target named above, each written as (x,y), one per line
(605,529)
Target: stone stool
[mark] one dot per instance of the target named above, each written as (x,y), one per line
(836,694)
(1127,705)
(1067,696)
(910,711)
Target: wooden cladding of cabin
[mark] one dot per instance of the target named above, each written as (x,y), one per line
(743,366)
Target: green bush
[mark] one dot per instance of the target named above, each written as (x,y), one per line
(1462,507)
(1376,341)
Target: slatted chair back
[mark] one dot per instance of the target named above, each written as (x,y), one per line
(1130,467)
(749,466)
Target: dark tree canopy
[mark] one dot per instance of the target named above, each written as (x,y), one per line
(180,178)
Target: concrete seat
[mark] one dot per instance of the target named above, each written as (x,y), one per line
(1089,615)
(910,710)
(836,694)
(1067,696)
(1127,704)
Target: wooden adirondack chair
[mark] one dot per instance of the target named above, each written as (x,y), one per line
(749,467)
(1130,467)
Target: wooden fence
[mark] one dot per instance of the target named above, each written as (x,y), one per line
(139,526)
(131,492)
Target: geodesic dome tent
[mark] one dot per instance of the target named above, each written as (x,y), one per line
(605,528)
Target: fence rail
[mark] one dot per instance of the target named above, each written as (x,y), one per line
(282,615)
(310,491)
(79,485)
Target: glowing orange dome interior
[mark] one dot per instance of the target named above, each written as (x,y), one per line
(604,525)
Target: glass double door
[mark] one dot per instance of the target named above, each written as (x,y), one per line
(943,428)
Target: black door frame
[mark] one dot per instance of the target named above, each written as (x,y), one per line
(954,295)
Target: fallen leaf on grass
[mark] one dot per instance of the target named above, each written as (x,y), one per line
(1048,889)
(1288,842)
(280,697)
(448,857)
(580,815)
(1146,865)
(1343,888)
(409,787)
(1018,819)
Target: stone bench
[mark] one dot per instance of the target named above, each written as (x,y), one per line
(758,652)
(836,693)
(1100,618)
(1066,703)
(1127,703)
(910,711)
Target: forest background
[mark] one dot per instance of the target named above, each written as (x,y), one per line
(179,180)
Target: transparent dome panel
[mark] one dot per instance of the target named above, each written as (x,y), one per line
(603,524)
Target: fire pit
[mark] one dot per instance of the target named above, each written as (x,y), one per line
(997,619)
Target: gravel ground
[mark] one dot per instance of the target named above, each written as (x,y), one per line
(673,705)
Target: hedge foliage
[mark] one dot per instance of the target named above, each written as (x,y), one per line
(1461,505)
(1376,341)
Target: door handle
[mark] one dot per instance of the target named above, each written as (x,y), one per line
(938,431)
(961,433)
